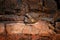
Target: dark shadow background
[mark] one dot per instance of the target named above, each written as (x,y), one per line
(58,3)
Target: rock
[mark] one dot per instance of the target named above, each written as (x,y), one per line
(57,27)
(36,28)
(57,36)
(33,4)
(30,30)
(50,6)
(2,28)
(11,18)
(15,28)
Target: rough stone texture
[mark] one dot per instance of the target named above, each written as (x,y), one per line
(2,31)
(52,5)
(28,37)
(39,5)
(2,28)
(57,36)
(13,10)
(36,31)
(3,36)
(14,28)
(29,28)
(13,7)
(11,18)
(58,27)
(33,4)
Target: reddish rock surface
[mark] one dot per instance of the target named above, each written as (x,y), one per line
(2,28)
(57,36)
(2,36)
(58,27)
(40,27)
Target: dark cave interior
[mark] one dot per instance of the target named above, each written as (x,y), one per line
(58,3)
